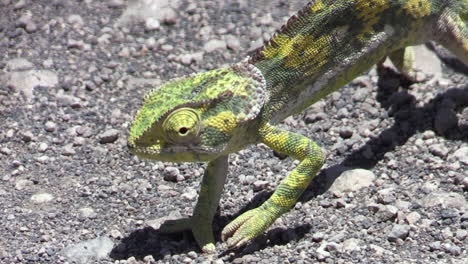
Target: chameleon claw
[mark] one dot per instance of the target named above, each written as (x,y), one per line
(246,227)
(231,230)
(233,244)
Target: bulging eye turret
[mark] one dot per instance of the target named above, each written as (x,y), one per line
(182,126)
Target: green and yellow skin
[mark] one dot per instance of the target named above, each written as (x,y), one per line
(206,116)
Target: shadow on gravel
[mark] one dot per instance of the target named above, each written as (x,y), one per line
(447,58)
(147,241)
(409,120)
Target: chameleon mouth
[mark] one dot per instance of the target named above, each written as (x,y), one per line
(174,153)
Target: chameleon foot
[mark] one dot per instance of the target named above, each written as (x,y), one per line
(201,231)
(246,227)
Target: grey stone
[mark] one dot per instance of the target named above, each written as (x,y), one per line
(116,3)
(233,42)
(214,44)
(386,196)
(453,250)
(5,151)
(19,64)
(20,4)
(138,11)
(168,16)
(361,94)
(189,194)
(461,234)
(387,212)
(246,180)
(89,251)
(172,174)
(87,212)
(322,254)
(27,136)
(444,199)
(75,20)
(42,197)
(68,150)
(22,184)
(460,154)
(260,185)
(152,23)
(351,245)
(188,59)
(398,232)
(192,254)
(428,134)
(317,237)
(31,27)
(412,218)
(50,126)
(114,233)
(353,180)
(439,150)
(26,81)
(75,44)
(109,136)
(346,132)
(435,246)
(149,259)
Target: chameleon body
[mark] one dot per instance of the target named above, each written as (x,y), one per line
(206,116)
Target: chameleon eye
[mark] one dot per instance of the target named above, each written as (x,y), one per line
(182,126)
(183,130)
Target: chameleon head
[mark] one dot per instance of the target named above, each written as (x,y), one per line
(199,117)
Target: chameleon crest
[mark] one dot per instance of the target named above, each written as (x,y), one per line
(195,117)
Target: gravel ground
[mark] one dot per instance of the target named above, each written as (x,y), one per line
(72,75)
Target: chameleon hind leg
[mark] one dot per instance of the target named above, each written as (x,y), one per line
(201,221)
(403,60)
(452,32)
(254,222)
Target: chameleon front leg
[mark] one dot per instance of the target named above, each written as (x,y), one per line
(254,222)
(201,221)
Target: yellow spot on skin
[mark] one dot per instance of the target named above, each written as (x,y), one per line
(271,51)
(156,147)
(317,6)
(369,12)
(225,122)
(418,8)
(283,201)
(277,139)
(298,181)
(302,149)
(300,51)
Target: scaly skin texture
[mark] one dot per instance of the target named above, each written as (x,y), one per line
(206,116)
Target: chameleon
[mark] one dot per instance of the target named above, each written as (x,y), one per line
(203,117)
